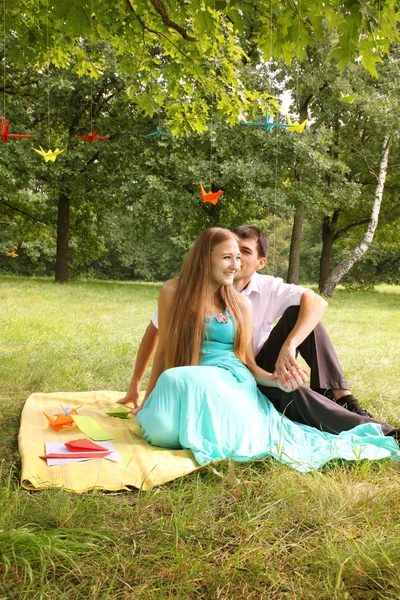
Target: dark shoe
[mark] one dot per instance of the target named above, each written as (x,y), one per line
(353,405)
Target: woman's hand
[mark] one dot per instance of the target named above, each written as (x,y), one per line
(131,396)
(294,379)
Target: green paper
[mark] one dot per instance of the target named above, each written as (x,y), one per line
(119,411)
(91,428)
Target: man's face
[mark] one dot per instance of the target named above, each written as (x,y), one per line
(250,262)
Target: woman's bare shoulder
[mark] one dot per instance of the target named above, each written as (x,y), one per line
(168,289)
(170,285)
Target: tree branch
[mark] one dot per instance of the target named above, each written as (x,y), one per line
(160,8)
(340,232)
(19,210)
(157,33)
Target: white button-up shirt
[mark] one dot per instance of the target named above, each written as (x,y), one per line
(270,297)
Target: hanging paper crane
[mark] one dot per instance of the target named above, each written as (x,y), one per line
(50,155)
(269,124)
(92,136)
(159,132)
(4,132)
(13,252)
(296,126)
(211,197)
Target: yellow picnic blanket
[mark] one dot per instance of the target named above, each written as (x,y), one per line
(142,466)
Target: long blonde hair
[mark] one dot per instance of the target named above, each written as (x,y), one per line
(186,330)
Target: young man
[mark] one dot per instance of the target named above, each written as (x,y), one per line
(298,330)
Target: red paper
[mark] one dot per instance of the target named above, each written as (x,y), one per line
(84,445)
(77,455)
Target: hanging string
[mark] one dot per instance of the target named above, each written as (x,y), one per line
(270,32)
(298,60)
(4,59)
(274,260)
(379,19)
(276,168)
(212,102)
(90,57)
(48,73)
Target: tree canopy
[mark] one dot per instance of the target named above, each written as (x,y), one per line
(133,65)
(175,54)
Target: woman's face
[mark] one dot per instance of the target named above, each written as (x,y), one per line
(225,262)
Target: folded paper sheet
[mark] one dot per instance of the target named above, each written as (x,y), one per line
(142,466)
(58,453)
(84,445)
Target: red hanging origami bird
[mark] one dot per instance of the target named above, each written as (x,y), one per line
(92,136)
(4,131)
(210,196)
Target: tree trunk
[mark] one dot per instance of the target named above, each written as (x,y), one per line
(297,230)
(64,204)
(328,236)
(295,245)
(215,209)
(344,267)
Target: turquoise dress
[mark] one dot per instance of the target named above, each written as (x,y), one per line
(216,411)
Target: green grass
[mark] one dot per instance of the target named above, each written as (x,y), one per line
(277,534)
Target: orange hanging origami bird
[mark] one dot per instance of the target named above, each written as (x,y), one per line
(210,196)
(91,136)
(4,131)
(49,155)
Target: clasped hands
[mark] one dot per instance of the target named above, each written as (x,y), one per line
(288,374)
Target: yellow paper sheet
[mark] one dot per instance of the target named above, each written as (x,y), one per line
(142,465)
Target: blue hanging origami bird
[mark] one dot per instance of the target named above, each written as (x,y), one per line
(159,132)
(268,124)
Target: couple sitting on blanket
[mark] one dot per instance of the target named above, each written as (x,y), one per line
(207,392)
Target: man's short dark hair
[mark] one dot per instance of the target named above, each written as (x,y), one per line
(246,232)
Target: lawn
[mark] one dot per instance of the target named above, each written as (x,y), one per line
(276,534)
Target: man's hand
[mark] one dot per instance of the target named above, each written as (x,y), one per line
(286,363)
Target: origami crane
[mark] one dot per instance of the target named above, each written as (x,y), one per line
(92,136)
(269,124)
(349,98)
(159,132)
(120,412)
(211,197)
(62,420)
(296,126)
(49,155)
(13,252)
(68,410)
(4,131)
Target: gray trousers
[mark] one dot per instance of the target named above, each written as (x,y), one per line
(307,405)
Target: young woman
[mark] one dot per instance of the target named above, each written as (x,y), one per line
(203,393)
